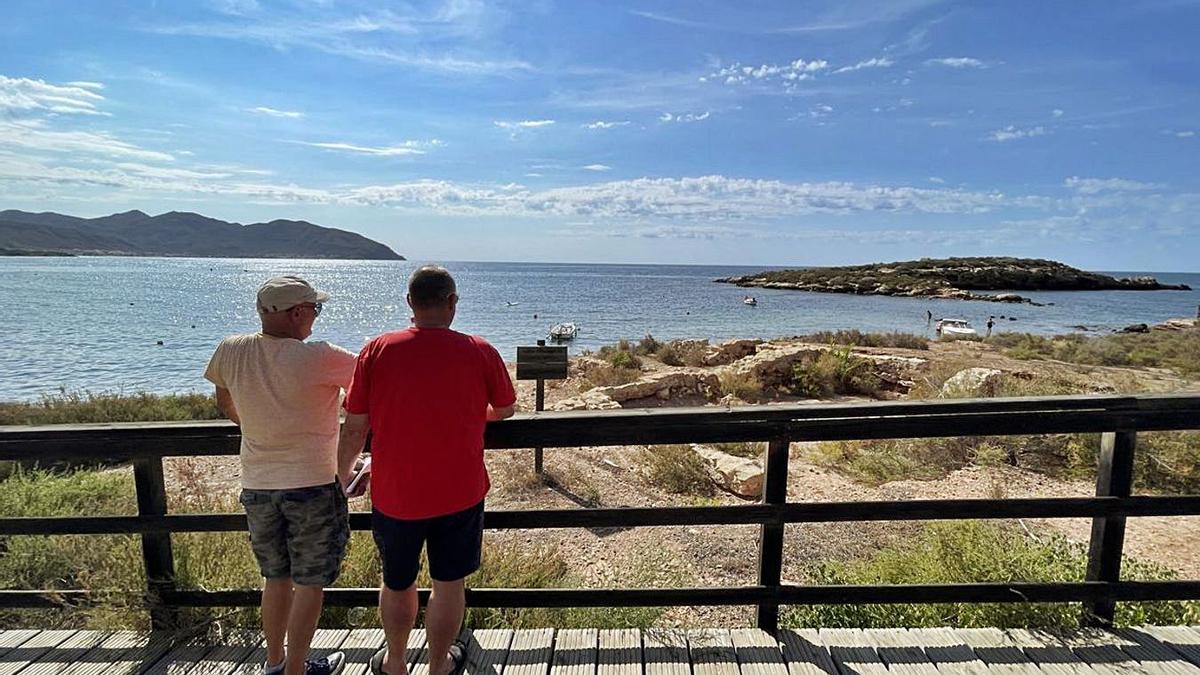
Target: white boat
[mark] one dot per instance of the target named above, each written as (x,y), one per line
(954,327)
(749,300)
(563,331)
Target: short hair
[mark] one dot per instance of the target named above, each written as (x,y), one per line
(430,286)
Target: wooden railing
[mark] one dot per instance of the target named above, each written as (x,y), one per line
(1117,418)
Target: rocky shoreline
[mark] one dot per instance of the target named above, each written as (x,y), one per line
(950,278)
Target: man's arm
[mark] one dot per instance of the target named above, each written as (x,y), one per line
(225,403)
(350,445)
(497,414)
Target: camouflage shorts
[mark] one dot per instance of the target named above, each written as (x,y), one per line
(299,533)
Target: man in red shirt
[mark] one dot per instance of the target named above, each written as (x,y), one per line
(425,394)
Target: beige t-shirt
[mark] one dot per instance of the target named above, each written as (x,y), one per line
(287,394)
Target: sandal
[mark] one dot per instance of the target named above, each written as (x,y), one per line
(458,657)
(376,662)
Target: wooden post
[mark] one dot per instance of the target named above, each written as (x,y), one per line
(539,405)
(156,546)
(770,542)
(1114,479)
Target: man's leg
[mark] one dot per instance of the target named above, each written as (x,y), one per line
(302,623)
(443,619)
(398,612)
(276,605)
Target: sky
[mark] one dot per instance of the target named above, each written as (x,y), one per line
(698,131)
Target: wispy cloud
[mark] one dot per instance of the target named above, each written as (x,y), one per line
(26,95)
(869,63)
(1057,112)
(1091,186)
(600,124)
(1012,133)
(33,135)
(86,84)
(787,73)
(524,124)
(597,167)
(684,117)
(272,112)
(400,150)
(957,62)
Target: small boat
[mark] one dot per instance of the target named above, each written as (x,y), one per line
(749,300)
(954,327)
(563,331)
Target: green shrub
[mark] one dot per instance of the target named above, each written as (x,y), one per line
(684,353)
(836,371)
(968,552)
(858,338)
(676,468)
(741,385)
(608,375)
(1159,349)
(669,355)
(83,407)
(647,346)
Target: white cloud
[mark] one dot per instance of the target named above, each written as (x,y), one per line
(24,95)
(598,167)
(787,74)
(1012,133)
(600,124)
(1185,134)
(524,124)
(1057,112)
(1089,186)
(819,111)
(272,112)
(399,150)
(86,84)
(869,63)
(684,117)
(935,179)
(33,135)
(958,62)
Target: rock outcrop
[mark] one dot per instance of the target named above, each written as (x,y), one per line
(739,475)
(974,383)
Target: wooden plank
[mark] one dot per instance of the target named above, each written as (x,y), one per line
(948,653)
(183,656)
(1183,640)
(11,639)
(900,651)
(359,646)
(241,651)
(1149,653)
(805,654)
(852,652)
(712,652)
(123,652)
(32,649)
(1050,654)
(665,651)
(547,363)
(1114,478)
(416,652)
(994,647)
(68,652)
(770,537)
(620,652)
(487,650)
(757,652)
(530,652)
(575,652)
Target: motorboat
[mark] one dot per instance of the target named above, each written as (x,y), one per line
(563,331)
(954,327)
(749,300)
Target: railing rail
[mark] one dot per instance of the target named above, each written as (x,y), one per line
(1117,418)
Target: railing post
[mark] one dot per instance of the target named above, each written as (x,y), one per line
(539,405)
(1114,479)
(156,546)
(770,542)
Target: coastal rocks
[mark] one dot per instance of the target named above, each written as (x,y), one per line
(730,351)
(973,383)
(588,400)
(1176,324)
(663,386)
(1135,328)
(739,475)
(773,366)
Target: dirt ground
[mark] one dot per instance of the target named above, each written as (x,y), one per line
(727,555)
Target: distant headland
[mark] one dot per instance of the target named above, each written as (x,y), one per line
(954,278)
(180,234)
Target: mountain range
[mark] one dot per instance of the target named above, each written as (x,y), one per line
(179,233)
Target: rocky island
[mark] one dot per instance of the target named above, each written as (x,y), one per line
(179,233)
(954,278)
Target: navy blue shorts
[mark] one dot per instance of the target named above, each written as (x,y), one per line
(454,543)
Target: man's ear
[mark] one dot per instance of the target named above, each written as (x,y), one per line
(408,299)
(452,301)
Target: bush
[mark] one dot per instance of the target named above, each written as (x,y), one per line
(858,338)
(1159,349)
(669,355)
(608,375)
(741,385)
(741,449)
(677,469)
(620,356)
(647,346)
(683,353)
(837,371)
(83,407)
(972,551)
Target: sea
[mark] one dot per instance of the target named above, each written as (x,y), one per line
(127,325)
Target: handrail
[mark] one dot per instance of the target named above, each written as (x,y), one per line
(1118,418)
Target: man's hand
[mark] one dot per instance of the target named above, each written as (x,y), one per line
(497,414)
(350,445)
(225,404)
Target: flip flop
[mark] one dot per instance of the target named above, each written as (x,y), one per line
(458,656)
(376,662)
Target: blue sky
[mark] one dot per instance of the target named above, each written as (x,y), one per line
(686,132)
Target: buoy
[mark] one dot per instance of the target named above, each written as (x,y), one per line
(159,343)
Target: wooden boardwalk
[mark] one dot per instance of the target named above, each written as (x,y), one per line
(834,651)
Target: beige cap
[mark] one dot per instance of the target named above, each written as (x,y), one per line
(280,293)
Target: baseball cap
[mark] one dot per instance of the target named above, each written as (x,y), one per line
(279,293)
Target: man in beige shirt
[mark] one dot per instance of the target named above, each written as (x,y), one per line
(284,394)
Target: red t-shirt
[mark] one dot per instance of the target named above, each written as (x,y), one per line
(426,392)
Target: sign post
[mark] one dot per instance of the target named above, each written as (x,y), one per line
(541,363)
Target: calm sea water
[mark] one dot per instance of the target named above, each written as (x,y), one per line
(94,323)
